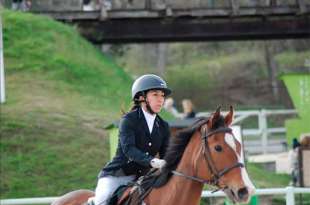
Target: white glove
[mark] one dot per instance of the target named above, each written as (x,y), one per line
(158,163)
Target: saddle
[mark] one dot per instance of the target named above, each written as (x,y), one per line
(134,192)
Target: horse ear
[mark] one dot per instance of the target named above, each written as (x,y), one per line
(214,117)
(230,116)
(217,113)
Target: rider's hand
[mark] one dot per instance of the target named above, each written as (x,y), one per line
(158,163)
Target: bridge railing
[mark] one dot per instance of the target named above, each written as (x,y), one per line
(159,5)
(263,130)
(289,193)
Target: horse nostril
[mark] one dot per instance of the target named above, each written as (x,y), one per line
(242,193)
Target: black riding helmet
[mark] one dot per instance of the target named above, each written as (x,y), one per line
(148,82)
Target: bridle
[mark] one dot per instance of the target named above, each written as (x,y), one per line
(215,174)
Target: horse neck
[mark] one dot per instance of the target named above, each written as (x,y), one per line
(191,189)
(191,154)
(182,191)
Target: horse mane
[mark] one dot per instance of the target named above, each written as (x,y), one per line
(177,146)
(178,143)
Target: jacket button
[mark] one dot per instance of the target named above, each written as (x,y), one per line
(147,153)
(150,143)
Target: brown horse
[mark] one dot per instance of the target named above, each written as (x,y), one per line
(206,153)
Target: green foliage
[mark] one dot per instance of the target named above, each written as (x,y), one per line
(292,59)
(222,73)
(208,80)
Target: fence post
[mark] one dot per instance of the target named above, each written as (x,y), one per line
(290,198)
(262,121)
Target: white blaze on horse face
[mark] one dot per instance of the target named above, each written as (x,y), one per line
(230,140)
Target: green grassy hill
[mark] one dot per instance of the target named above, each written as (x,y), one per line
(61,93)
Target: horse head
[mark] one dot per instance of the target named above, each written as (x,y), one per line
(220,158)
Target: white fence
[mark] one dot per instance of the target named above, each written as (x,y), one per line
(24,201)
(262,129)
(289,192)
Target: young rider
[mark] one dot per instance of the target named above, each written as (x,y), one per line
(143,138)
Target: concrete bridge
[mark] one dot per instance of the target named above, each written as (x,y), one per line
(121,21)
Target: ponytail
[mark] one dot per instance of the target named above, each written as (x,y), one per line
(136,105)
(136,102)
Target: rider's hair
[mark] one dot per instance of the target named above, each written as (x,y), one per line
(136,104)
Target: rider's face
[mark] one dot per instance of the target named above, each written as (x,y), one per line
(155,99)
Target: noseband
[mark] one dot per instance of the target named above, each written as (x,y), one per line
(215,174)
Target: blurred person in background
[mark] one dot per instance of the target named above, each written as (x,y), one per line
(170,107)
(188,109)
(187,105)
(294,164)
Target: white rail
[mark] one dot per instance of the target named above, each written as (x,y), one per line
(38,200)
(288,191)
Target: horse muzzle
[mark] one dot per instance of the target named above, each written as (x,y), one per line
(240,195)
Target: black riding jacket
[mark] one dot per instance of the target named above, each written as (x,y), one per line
(136,146)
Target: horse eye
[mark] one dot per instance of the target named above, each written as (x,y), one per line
(218,148)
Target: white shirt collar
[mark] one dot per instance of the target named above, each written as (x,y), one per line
(149,119)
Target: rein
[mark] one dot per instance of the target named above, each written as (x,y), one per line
(215,174)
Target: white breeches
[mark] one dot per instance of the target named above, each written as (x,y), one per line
(106,187)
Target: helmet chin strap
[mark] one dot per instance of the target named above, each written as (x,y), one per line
(148,107)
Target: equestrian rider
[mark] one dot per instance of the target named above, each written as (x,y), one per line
(143,136)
